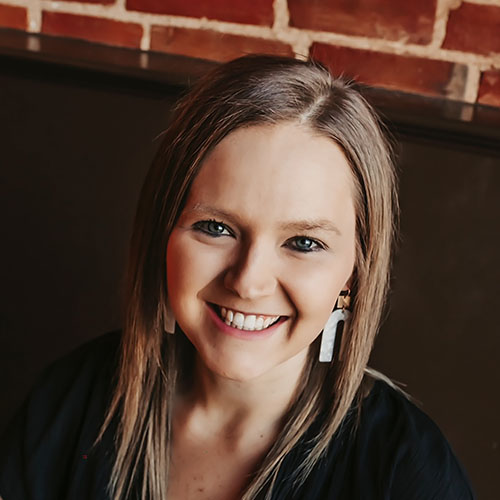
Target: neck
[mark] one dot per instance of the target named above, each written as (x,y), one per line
(218,404)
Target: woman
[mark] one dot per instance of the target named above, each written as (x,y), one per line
(264,231)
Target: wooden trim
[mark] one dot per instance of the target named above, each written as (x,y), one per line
(150,67)
(414,117)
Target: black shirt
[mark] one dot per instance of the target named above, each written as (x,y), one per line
(46,453)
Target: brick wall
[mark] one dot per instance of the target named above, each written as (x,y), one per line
(446,48)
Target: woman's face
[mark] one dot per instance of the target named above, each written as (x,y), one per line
(262,249)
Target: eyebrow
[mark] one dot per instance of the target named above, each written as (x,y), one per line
(310,225)
(297,225)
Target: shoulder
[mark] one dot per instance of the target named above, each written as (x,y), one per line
(408,448)
(59,421)
(389,450)
(74,384)
(69,384)
(84,364)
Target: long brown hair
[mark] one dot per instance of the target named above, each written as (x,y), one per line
(248,91)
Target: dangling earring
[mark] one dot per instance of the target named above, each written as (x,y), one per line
(339,315)
(168,318)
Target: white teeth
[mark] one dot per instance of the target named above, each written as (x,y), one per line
(238,320)
(251,322)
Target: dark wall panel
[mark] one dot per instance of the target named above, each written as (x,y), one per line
(74,156)
(441,336)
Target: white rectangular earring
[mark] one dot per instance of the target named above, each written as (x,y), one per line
(340,316)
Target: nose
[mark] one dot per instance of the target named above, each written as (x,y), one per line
(251,276)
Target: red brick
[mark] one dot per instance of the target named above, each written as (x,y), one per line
(207,44)
(405,20)
(236,11)
(94,29)
(410,74)
(489,90)
(13,17)
(474,28)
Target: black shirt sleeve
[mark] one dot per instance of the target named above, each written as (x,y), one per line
(413,459)
(48,445)
(393,452)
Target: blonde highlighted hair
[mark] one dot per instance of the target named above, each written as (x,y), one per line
(248,91)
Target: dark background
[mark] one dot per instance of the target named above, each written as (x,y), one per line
(75,146)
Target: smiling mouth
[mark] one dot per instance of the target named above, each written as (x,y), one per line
(241,321)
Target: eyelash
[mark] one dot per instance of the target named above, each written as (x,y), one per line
(203,227)
(317,245)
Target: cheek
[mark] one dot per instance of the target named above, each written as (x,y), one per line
(314,291)
(184,273)
(184,279)
(191,266)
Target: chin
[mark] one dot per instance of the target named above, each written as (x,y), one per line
(237,370)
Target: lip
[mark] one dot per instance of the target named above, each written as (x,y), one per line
(243,334)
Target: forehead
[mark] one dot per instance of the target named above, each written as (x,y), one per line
(277,172)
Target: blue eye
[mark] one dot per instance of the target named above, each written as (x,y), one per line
(305,245)
(212,228)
